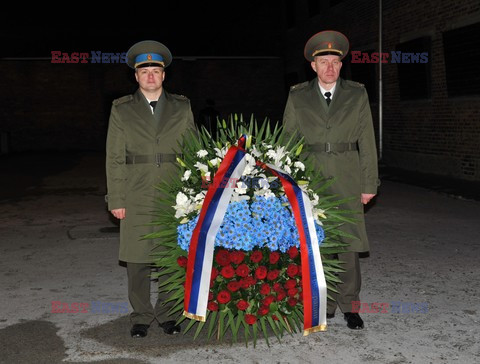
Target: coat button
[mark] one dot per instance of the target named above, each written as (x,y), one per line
(328,126)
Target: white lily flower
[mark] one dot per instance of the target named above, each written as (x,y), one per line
(186,175)
(188,191)
(183,206)
(215,161)
(202,153)
(221,152)
(199,197)
(276,155)
(287,169)
(201,167)
(255,151)
(250,166)
(299,165)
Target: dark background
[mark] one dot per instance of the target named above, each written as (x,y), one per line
(245,56)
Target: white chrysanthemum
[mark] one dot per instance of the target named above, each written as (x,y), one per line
(202,153)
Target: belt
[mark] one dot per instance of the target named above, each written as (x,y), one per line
(157,158)
(333,147)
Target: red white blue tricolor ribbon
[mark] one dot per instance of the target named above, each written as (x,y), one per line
(200,254)
(313,279)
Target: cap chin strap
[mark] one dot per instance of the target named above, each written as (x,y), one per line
(149,64)
(319,52)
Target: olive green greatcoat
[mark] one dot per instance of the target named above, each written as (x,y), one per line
(134,130)
(348,119)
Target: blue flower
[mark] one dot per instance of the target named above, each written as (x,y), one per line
(262,222)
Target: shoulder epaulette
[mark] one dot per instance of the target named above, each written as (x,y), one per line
(355,84)
(123,99)
(179,97)
(298,86)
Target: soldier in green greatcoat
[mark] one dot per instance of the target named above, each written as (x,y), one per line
(143,133)
(334,116)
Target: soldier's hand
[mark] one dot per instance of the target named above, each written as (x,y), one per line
(118,213)
(366,197)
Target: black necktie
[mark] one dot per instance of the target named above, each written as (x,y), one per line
(153,104)
(327,95)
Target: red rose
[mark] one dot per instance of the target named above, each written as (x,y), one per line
(242,305)
(300,296)
(182,261)
(281,294)
(277,286)
(256,256)
(250,319)
(250,280)
(275,318)
(273,274)
(292,301)
(292,270)
(262,311)
(210,296)
(261,272)
(237,256)
(265,289)
(214,273)
(223,297)
(212,306)
(223,257)
(292,252)
(242,270)
(243,283)
(290,284)
(233,286)
(292,292)
(274,257)
(268,300)
(227,271)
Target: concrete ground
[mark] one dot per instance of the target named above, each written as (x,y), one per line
(58,243)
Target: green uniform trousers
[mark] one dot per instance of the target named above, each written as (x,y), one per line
(349,290)
(139,281)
